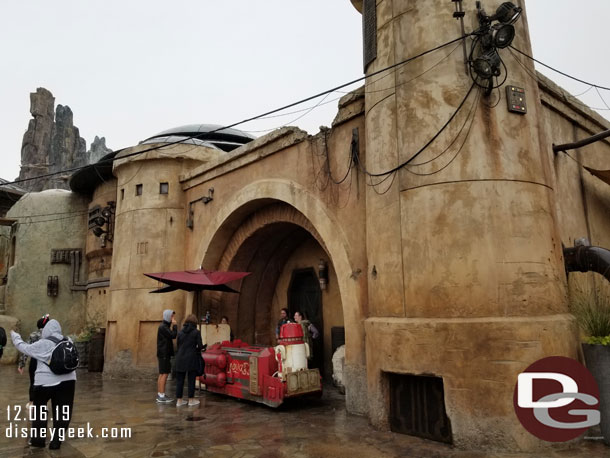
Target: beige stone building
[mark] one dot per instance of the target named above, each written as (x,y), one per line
(446,276)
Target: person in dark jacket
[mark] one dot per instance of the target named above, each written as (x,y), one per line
(282,321)
(165,350)
(187,360)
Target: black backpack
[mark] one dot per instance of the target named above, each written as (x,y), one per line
(64,358)
(2,340)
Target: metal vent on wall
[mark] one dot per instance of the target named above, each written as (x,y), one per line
(62,256)
(417,407)
(369,32)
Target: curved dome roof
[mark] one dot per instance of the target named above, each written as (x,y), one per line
(226,139)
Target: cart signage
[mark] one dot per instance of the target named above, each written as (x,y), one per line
(240,369)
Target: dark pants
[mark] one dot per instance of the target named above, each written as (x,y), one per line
(60,395)
(180,383)
(32,370)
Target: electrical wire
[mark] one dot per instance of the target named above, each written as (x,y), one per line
(393,175)
(309,109)
(412,79)
(600,96)
(535,78)
(495,104)
(302,109)
(472,107)
(476,105)
(329,171)
(434,137)
(370,109)
(46,220)
(276,110)
(582,93)
(295,119)
(559,71)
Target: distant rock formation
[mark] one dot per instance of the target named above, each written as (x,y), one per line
(98,149)
(37,139)
(52,143)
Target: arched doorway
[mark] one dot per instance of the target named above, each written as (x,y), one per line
(282,251)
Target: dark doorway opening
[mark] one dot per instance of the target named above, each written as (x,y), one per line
(417,407)
(304,295)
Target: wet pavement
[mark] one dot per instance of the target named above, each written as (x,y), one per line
(221,427)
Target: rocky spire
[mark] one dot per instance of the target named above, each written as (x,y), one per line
(98,149)
(37,139)
(52,143)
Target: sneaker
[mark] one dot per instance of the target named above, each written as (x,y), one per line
(181,402)
(164,399)
(36,444)
(193,402)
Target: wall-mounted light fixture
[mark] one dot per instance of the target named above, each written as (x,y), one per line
(488,39)
(101,222)
(209,198)
(323,274)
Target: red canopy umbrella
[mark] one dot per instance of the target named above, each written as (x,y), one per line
(197,280)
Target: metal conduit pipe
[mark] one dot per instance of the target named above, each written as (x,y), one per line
(588,259)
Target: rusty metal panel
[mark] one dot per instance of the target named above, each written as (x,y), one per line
(94,212)
(62,256)
(254,386)
(292,382)
(52,286)
(369,32)
(417,407)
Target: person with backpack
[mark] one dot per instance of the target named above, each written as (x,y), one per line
(23,358)
(55,380)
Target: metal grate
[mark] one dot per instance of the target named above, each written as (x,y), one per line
(63,256)
(369,32)
(417,407)
(254,387)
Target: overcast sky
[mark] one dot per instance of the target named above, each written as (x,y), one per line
(131,68)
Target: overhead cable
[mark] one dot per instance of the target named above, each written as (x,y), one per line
(195,136)
(559,71)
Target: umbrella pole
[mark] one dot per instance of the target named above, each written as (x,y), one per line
(197,300)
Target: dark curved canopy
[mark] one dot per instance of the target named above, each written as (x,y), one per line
(88,178)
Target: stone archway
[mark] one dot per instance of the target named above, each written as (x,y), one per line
(273,243)
(242,215)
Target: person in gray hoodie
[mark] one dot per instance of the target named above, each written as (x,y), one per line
(48,386)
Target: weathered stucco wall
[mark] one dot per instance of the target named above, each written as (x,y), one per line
(463,240)
(583,200)
(53,219)
(99,257)
(149,237)
(288,167)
